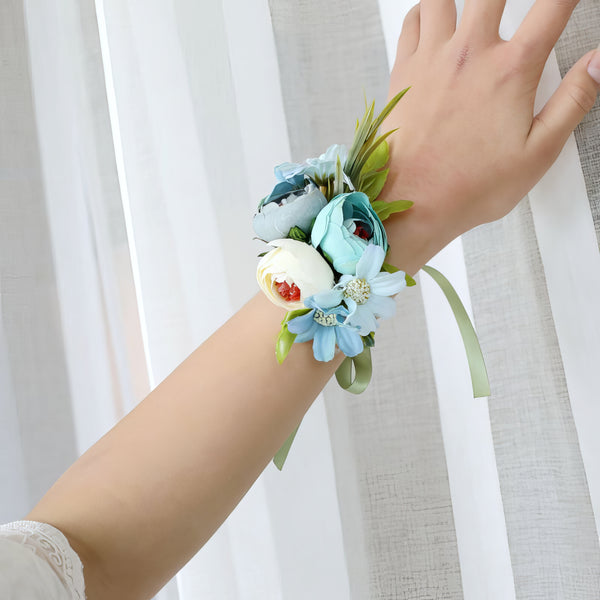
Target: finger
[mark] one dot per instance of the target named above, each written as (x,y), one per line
(542,27)
(573,99)
(481,18)
(438,21)
(409,36)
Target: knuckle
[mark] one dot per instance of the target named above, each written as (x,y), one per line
(412,17)
(517,64)
(546,150)
(582,96)
(566,4)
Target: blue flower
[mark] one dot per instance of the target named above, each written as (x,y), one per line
(318,169)
(344,228)
(323,168)
(292,203)
(367,294)
(324,324)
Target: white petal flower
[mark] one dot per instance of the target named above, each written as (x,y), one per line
(292,272)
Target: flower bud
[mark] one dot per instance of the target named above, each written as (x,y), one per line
(296,264)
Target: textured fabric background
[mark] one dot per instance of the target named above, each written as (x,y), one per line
(136,139)
(34,386)
(331,57)
(580,36)
(551,530)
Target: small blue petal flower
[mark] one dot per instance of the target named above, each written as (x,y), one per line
(324,167)
(326,327)
(370,263)
(386,284)
(329,299)
(349,341)
(288,170)
(324,344)
(302,323)
(367,295)
(318,169)
(309,334)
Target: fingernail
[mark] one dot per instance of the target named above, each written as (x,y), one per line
(594,66)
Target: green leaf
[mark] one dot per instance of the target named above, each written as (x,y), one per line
(364,138)
(263,253)
(389,268)
(388,108)
(373,183)
(295,233)
(338,185)
(409,280)
(285,339)
(378,159)
(327,257)
(369,148)
(362,133)
(369,340)
(385,209)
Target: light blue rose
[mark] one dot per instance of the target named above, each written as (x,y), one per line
(318,169)
(292,203)
(344,229)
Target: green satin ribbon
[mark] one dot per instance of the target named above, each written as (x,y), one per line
(479,377)
(363,368)
(282,453)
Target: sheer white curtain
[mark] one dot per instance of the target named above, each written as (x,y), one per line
(136,140)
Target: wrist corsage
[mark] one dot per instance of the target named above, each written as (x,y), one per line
(327,264)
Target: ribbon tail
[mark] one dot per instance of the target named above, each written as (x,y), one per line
(363,369)
(479,376)
(282,453)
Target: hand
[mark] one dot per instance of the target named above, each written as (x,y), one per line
(469,146)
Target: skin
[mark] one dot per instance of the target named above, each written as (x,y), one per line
(142,501)
(469,146)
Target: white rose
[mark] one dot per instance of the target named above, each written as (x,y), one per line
(293,269)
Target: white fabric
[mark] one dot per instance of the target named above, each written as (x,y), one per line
(37,563)
(138,138)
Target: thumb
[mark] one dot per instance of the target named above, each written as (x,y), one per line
(573,99)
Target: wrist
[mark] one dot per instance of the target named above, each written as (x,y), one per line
(417,234)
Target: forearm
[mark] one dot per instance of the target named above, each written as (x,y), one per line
(149,494)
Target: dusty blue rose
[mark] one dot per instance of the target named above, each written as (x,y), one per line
(292,203)
(344,228)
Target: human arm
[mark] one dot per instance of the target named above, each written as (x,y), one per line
(142,501)
(155,488)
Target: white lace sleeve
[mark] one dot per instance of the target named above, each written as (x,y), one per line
(36,562)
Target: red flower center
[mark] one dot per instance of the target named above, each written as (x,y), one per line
(289,293)
(361,232)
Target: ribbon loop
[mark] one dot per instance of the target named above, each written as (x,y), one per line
(363,369)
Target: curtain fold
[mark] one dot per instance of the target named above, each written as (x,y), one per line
(136,140)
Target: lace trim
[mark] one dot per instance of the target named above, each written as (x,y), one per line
(49,543)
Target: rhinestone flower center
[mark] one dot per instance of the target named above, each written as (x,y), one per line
(326,320)
(358,290)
